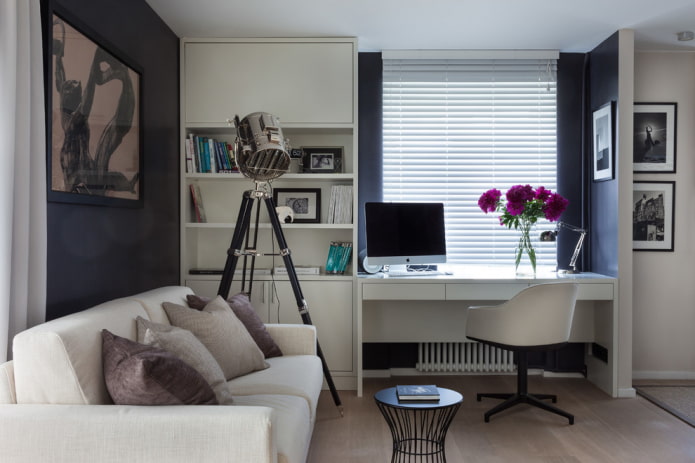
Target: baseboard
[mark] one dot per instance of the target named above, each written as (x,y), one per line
(646,374)
(387,373)
(627,392)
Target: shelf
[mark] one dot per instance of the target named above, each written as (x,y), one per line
(285,226)
(222,127)
(322,277)
(237,176)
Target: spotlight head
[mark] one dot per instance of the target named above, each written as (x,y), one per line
(261,154)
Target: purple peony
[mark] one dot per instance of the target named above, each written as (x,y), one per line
(517,196)
(543,193)
(488,200)
(554,206)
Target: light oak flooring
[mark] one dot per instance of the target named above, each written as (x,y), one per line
(606,430)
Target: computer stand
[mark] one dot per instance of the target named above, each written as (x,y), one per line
(236,250)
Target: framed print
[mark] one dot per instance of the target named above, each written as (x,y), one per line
(94,109)
(654,140)
(602,135)
(304,202)
(323,159)
(653,204)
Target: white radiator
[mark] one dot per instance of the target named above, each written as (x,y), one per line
(464,357)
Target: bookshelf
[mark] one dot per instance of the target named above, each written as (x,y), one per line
(311,85)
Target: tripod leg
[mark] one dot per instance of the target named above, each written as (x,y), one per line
(301,303)
(242,226)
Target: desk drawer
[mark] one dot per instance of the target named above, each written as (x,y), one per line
(411,292)
(595,292)
(483,291)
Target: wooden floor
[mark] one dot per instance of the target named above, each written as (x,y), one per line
(605,430)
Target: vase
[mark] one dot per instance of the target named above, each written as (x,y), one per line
(525,256)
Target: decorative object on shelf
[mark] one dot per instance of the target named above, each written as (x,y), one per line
(95,153)
(285,214)
(323,159)
(523,207)
(654,144)
(296,162)
(551,235)
(603,142)
(339,254)
(653,215)
(304,202)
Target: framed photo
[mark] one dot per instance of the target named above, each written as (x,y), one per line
(323,159)
(94,109)
(654,140)
(602,134)
(653,204)
(304,202)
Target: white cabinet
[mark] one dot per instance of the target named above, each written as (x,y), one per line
(311,85)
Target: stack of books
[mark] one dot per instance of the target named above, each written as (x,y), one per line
(301,270)
(338,256)
(427,392)
(340,204)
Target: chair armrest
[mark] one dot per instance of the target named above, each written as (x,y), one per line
(136,434)
(293,339)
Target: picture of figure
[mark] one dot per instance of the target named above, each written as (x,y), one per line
(650,137)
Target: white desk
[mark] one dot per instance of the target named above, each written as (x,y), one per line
(433,309)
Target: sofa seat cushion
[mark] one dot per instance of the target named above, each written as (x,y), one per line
(291,420)
(296,375)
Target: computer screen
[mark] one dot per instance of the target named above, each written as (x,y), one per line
(405,233)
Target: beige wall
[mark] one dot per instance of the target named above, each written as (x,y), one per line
(664,282)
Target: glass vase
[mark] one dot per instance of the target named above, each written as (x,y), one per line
(525,257)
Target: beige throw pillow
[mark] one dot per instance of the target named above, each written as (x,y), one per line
(222,333)
(183,344)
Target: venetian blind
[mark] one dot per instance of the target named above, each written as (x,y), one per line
(453,129)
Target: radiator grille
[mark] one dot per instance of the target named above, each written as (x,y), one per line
(465,357)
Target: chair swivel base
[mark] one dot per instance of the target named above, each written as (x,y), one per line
(536,400)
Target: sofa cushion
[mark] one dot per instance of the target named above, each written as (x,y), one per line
(137,374)
(8,394)
(183,344)
(242,308)
(292,421)
(296,375)
(222,333)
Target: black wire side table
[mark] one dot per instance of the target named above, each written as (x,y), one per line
(418,427)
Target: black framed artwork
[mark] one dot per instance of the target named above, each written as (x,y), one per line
(653,205)
(327,159)
(602,135)
(654,140)
(304,202)
(94,108)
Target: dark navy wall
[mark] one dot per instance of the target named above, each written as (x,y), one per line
(99,253)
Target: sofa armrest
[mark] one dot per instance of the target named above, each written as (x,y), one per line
(136,434)
(293,339)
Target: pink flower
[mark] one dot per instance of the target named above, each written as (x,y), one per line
(542,193)
(554,206)
(517,196)
(488,201)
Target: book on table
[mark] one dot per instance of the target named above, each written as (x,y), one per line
(417,392)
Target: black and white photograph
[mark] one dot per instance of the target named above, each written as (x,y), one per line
(603,143)
(323,159)
(654,140)
(652,215)
(304,202)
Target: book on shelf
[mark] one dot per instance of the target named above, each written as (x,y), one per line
(339,253)
(208,155)
(299,270)
(198,207)
(417,392)
(340,204)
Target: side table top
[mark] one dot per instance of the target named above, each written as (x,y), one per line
(447,398)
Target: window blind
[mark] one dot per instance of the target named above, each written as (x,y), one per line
(452,129)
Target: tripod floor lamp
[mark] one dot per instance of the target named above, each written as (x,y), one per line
(261,155)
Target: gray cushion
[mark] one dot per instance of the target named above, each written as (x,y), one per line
(136,374)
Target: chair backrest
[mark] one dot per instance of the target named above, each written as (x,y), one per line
(539,315)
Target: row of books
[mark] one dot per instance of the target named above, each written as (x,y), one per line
(339,254)
(207,155)
(340,204)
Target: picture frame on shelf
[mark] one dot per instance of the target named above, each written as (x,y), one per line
(94,112)
(304,202)
(602,135)
(654,140)
(653,215)
(326,160)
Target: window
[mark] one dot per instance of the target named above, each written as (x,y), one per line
(454,128)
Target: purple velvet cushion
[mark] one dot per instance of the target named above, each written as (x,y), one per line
(136,374)
(242,308)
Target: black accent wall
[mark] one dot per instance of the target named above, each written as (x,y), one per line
(98,253)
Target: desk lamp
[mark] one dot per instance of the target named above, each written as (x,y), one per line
(551,235)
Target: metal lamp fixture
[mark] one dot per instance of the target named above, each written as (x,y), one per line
(261,152)
(551,235)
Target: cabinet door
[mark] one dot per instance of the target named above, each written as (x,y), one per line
(330,308)
(301,82)
(259,293)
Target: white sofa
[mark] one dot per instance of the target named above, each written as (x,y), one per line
(54,405)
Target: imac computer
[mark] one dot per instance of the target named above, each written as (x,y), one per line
(405,236)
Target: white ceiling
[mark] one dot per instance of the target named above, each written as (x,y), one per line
(565,25)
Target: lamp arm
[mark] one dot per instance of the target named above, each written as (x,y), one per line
(577,248)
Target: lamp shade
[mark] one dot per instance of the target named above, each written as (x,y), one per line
(260,149)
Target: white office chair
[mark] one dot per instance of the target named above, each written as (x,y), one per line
(538,318)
